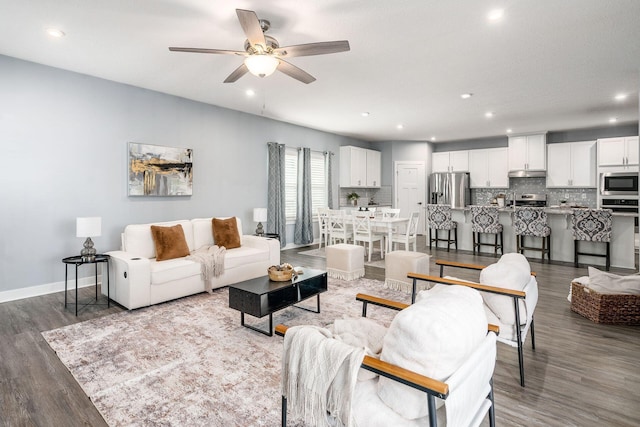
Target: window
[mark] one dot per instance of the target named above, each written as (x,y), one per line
(318,182)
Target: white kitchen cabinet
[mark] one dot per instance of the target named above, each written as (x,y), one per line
(489,168)
(359,167)
(621,151)
(373,168)
(528,152)
(571,164)
(450,161)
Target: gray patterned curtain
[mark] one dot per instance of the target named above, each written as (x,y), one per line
(304,226)
(276,218)
(329,162)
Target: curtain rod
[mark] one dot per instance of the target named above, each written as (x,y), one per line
(300,148)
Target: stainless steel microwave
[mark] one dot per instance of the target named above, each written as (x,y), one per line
(619,184)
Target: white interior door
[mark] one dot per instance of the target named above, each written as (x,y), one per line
(410,189)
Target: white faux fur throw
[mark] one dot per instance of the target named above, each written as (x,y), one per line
(211,259)
(319,375)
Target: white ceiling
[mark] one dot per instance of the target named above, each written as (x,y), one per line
(547,65)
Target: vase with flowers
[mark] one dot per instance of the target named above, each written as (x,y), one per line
(353,198)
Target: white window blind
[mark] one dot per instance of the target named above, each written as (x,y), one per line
(318,182)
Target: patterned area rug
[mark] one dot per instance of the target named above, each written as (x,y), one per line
(189,362)
(376,259)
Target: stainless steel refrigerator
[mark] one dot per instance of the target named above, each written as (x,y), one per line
(450,188)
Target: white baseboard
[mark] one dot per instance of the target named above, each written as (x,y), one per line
(293,245)
(49,288)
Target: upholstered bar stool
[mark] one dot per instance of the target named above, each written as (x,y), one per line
(439,217)
(486,220)
(592,225)
(532,222)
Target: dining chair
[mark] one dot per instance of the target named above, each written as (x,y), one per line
(323,226)
(410,235)
(339,227)
(363,232)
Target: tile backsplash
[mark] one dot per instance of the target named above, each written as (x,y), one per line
(582,196)
(379,196)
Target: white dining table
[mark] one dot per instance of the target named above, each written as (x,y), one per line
(390,224)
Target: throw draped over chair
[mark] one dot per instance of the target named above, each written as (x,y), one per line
(363,232)
(592,225)
(323,226)
(410,235)
(486,220)
(395,398)
(439,218)
(339,227)
(532,222)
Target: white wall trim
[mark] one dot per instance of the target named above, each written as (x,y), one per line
(48,288)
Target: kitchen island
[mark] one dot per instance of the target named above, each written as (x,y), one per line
(559,219)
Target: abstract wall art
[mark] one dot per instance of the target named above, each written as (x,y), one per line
(155,170)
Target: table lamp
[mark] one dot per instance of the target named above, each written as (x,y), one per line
(88,227)
(259,215)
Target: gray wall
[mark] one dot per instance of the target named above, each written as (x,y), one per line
(64,153)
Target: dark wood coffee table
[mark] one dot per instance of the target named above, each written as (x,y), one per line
(261,296)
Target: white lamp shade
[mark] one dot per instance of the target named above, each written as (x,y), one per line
(259,214)
(89,226)
(261,65)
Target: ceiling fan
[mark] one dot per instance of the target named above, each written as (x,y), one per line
(263,54)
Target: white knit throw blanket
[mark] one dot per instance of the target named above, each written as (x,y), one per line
(211,259)
(319,375)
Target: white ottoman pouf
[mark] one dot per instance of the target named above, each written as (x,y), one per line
(345,262)
(398,263)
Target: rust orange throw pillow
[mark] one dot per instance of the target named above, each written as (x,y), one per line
(225,232)
(170,242)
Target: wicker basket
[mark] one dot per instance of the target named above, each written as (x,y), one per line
(279,275)
(605,308)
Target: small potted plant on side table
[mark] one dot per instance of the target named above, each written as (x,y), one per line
(353,198)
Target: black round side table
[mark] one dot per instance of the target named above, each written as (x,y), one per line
(78,260)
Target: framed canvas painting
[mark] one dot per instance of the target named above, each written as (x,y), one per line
(156,170)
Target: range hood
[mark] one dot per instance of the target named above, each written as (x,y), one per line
(528,174)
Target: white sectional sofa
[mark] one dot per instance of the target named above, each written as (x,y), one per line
(138,280)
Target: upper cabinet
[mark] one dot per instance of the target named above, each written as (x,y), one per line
(450,161)
(359,167)
(618,151)
(571,164)
(528,152)
(489,168)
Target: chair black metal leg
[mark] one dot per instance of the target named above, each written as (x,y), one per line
(284,411)
(608,264)
(533,335)
(492,411)
(431,404)
(519,337)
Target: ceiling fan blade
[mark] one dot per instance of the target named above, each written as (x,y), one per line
(295,72)
(237,73)
(310,49)
(251,27)
(200,50)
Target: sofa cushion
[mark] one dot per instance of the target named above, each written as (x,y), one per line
(173,269)
(170,242)
(244,255)
(137,238)
(203,232)
(432,337)
(225,232)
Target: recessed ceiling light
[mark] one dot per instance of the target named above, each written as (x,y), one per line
(509,130)
(489,114)
(433,138)
(621,97)
(613,120)
(495,14)
(365,114)
(400,126)
(250,92)
(54,32)
(466,95)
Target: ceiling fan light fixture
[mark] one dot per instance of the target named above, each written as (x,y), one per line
(261,65)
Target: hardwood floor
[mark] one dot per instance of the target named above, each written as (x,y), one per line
(581,373)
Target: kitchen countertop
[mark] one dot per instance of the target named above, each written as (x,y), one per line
(554,210)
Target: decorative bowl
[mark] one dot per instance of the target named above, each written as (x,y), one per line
(280,275)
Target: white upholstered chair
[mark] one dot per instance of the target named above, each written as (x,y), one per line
(394,394)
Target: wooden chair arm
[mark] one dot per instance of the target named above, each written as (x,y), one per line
(484,288)
(382,302)
(420,382)
(444,263)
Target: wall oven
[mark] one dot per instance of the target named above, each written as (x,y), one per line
(619,184)
(622,205)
